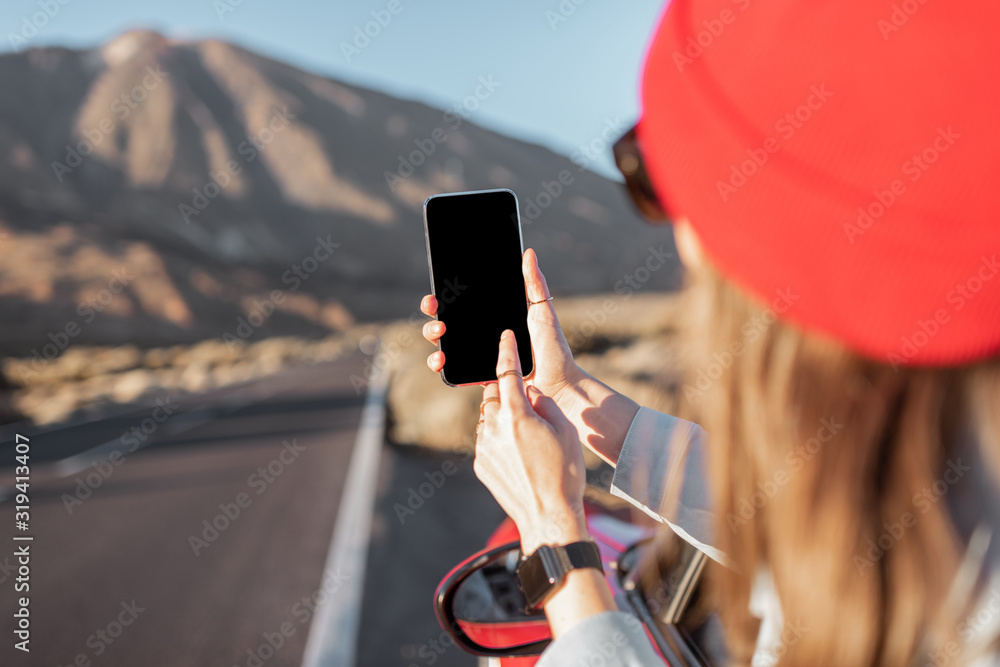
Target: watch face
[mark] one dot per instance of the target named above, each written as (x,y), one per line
(545,569)
(538,574)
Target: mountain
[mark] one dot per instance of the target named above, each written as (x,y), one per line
(155,191)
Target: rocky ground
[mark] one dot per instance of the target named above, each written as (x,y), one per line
(628,342)
(87,379)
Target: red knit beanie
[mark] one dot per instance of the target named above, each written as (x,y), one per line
(842,155)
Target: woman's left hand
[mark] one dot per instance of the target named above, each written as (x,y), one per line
(529,456)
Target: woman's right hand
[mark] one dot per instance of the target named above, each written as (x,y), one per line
(555,370)
(601,415)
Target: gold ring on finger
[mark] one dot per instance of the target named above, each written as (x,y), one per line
(482,406)
(511,372)
(532,303)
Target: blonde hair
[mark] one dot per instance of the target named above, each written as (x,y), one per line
(821,462)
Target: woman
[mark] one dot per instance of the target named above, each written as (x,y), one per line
(831,170)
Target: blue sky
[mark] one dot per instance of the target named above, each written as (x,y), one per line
(564,68)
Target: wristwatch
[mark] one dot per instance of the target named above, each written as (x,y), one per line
(541,573)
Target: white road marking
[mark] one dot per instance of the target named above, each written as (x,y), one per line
(333,635)
(232,399)
(78,462)
(176,424)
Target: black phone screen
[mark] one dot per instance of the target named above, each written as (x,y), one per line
(474,247)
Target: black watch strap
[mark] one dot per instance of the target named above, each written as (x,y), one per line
(541,573)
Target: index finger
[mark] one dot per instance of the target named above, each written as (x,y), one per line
(511,384)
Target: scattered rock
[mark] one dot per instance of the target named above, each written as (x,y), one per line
(131,385)
(196,377)
(112,359)
(86,377)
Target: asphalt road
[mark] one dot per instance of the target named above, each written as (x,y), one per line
(145,561)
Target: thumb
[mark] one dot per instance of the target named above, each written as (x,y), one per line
(543,325)
(547,409)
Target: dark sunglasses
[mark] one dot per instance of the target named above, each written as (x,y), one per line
(640,189)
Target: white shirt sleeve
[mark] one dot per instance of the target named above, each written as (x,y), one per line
(662,471)
(610,639)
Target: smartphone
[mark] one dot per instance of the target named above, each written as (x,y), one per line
(474,252)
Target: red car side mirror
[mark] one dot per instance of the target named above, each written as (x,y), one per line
(481,606)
